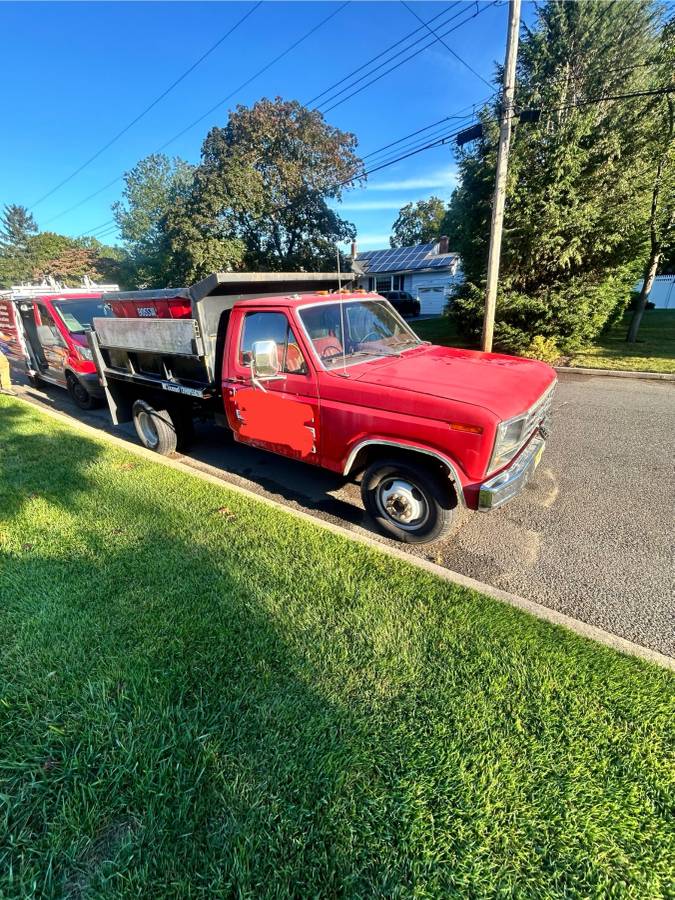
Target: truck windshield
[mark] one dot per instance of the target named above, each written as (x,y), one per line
(372,328)
(77,314)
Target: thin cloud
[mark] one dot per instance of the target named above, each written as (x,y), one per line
(371,240)
(364,205)
(447,179)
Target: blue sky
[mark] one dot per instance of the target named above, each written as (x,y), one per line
(76,73)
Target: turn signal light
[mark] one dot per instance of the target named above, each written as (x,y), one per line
(469,429)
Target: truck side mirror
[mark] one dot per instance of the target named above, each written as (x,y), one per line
(265,359)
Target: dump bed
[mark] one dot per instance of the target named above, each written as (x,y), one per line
(173,338)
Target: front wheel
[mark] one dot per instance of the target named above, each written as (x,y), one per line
(80,394)
(407,501)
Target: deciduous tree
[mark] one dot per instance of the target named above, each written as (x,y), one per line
(418,223)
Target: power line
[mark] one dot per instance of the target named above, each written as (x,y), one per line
(403,61)
(378,55)
(457,115)
(256,75)
(149,107)
(334,94)
(447,46)
(207,113)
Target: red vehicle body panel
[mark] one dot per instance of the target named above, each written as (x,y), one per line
(439,399)
(61,360)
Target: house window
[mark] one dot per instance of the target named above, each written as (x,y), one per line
(398,282)
(383,283)
(371,284)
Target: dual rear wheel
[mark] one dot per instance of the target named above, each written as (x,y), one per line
(160,429)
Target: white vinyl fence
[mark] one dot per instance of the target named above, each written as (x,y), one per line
(663,291)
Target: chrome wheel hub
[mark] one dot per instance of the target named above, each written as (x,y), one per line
(148,429)
(402,502)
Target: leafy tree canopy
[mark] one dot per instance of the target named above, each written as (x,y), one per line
(418,223)
(259,199)
(578,195)
(152,188)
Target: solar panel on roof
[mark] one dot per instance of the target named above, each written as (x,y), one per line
(404,258)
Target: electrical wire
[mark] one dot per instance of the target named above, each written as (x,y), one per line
(401,62)
(447,46)
(207,113)
(150,106)
(378,55)
(255,75)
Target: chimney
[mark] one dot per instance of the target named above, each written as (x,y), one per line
(443,242)
(354,250)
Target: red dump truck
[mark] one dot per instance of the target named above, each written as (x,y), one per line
(334,379)
(42,333)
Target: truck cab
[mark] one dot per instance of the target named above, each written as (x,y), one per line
(339,380)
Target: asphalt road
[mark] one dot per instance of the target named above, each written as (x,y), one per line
(591,536)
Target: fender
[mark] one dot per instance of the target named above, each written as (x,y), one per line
(425,451)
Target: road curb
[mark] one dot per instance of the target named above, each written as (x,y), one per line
(616,373)
(591,632)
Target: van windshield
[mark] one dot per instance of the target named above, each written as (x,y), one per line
(77,314)
(372,328)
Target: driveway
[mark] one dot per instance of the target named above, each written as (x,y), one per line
(591,536)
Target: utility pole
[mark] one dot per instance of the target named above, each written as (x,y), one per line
(497,223)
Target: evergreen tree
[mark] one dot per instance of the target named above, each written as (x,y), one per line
(578,188)
(16,226)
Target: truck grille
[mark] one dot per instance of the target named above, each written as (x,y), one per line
(539,414)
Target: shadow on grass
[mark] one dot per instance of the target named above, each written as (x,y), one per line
(160,728)
(193,710)
(23,451)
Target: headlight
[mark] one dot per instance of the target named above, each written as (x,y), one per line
(508,441)
(85,353)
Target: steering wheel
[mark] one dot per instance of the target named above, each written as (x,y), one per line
(374,334)
(330,350)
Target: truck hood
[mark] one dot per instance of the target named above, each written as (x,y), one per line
(505,385)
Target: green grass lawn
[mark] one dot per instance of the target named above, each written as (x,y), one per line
(440,330)
(201,696)
(654,352)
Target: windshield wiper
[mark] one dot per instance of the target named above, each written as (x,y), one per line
(376,352)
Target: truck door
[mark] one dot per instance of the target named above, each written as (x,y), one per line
(52,344)
(279,414)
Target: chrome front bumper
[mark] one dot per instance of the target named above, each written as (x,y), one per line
(503,487)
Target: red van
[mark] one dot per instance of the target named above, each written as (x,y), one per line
(44,334)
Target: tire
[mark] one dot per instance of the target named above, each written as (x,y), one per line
(80,395)
(155,428)
(392,490)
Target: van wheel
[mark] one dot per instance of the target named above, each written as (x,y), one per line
(407,501)
(80,394)
(155,428)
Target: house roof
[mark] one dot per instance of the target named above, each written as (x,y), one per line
(405,259)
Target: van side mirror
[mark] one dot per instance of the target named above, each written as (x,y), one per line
(265,359)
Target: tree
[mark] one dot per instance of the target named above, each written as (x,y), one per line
(662,207)
(577,197)
(16,226)
(152,188)
(418,223)
(259,198)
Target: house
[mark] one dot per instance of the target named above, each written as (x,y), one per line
(427,271)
